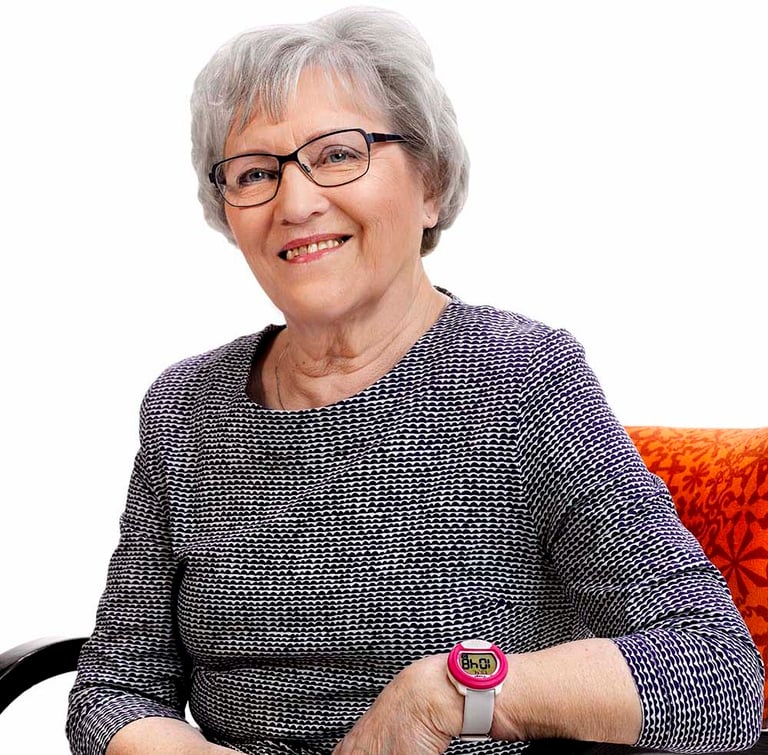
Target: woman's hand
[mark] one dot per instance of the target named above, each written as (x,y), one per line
(417,713)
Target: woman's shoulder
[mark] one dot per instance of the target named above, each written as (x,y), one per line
(216,372)
(485,326)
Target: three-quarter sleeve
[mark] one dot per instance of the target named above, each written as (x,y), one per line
(131,667)
(631,569)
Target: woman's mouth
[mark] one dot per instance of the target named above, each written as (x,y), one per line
(307,250)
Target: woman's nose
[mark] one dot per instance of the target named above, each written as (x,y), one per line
(298,197)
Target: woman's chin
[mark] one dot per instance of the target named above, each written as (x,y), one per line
(319,308)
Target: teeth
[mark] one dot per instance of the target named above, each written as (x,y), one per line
(303,251)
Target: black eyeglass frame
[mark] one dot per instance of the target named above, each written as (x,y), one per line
(371,137)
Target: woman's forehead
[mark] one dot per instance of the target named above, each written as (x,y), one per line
(314,87)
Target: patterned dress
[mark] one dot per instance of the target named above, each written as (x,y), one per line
(277,568)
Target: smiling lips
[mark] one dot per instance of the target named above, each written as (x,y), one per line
(307,250)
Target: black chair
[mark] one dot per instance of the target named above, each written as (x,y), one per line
(25,665)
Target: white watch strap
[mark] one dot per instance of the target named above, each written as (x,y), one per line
(478,713)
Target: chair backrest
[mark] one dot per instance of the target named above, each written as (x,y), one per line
(718,479)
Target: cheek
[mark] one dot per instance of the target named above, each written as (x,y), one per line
(246,227)
(232,217)
(393,206)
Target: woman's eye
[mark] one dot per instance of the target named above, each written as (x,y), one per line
(255,176)
(338,156)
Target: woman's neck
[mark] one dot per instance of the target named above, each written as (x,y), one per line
(310,366)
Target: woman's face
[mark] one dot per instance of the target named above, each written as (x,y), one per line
(371,228)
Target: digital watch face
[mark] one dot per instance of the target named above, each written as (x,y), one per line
(478,664)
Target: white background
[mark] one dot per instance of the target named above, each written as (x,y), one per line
(619,188)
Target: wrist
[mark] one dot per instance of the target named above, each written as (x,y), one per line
(438,700)
(477,670)
(505,724)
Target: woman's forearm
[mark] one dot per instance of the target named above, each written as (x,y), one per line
(161,736)
(580,690)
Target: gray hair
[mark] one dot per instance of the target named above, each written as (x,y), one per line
(373,52)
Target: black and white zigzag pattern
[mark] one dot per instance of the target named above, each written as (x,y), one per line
(279,568)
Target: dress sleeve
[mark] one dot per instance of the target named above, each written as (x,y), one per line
(131,667)
(632,571)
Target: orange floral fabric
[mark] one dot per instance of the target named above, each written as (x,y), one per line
(718,479)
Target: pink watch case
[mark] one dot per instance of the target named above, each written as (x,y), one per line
(471,663)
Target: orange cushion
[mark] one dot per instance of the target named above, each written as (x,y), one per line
(718,479)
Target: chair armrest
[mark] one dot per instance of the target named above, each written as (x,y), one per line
(25,665)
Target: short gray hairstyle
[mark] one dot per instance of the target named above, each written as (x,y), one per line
(374,52)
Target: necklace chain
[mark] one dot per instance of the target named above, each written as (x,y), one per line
(277,376)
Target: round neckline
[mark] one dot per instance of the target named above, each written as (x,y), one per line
(270,332)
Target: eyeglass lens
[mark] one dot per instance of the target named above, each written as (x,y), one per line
(329,160)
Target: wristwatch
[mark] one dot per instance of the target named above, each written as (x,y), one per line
(477,670)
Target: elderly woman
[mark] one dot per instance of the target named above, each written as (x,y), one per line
(396,519)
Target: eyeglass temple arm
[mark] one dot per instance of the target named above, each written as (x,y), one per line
(375,137)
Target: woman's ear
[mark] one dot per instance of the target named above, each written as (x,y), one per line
(431,211)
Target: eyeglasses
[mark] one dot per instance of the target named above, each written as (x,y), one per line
(333,159)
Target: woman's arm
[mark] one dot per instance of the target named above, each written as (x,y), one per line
(632,572)
(670,664)
(161,736)
(132,666)
(579,690)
